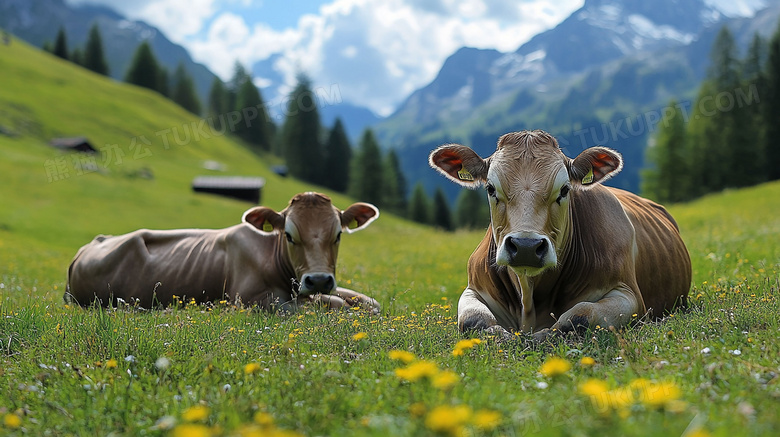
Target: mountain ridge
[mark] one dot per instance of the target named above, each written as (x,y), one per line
(530,88)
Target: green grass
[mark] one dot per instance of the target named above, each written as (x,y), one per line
(307,371)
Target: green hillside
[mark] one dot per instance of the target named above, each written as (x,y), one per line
(49,212)
(197,370)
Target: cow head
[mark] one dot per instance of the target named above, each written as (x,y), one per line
(311,229)
(529,184)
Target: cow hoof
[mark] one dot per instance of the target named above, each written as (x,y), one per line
(500,333)
(576,325)
(543,335)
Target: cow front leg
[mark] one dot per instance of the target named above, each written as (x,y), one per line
(344,298)
(615,309)
(474,315)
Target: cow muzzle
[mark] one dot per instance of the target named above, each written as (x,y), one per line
(317,283)
(526,250)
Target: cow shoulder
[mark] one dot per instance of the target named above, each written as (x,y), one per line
(603,236)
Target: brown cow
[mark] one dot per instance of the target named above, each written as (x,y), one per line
(562,251)
(274,260)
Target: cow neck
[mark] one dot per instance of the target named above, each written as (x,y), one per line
(282,262)
(542,290)
(573,257)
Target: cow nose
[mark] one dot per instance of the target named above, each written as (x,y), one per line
(314,283)
(526,252)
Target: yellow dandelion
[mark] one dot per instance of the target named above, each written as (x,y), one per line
(467,344)
(251,368)
(12,421)
(418,370)
(554,366)
(263,419)
(359,336)
(447,419)
(417,409)
(462,345)
(486,420)
(619,399)
(594,387)
(444,379)
(658,394)
(191,430)
(587,362)
(405,357)
(110,364)
(639,384)
(195,413)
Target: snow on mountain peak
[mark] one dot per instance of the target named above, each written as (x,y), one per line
(647,29)
(737,8)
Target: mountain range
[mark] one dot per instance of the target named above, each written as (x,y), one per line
(39,21)
(602,76)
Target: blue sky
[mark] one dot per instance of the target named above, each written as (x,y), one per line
(376,52)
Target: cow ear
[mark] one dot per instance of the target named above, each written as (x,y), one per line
(459,164)
(264,220)
(594,166)
(358,216)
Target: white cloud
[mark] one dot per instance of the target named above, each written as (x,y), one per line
(376,51)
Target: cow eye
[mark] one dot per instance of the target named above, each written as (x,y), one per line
(338,238)
(563,194)
(289,237)
(491,190)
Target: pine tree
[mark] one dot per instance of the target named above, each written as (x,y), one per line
(61,44)
(701,159)
(770,101)
(722,130)
(144,70)
(94,58)
(753,84)
(395,185)
(753,66)
(240,76)
(184,90)
(163,82)
(442,217)
(300,136)
(217,104)
(77,57)
(667,182)
(255,126)
(367,181)
(338,159)
(471,210)
(419,205)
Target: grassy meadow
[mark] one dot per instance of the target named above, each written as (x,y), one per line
(218,370)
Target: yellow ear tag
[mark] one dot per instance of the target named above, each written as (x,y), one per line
(464,175)
(353,224)
(267,226)
(588,179)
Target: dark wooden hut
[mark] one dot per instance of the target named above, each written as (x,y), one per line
(248,189)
